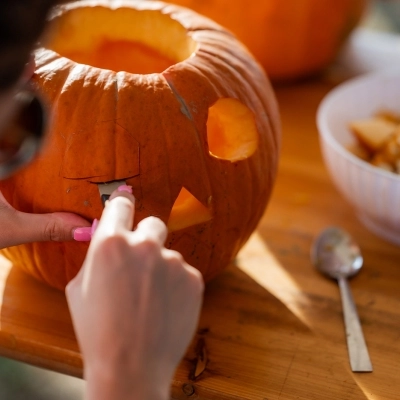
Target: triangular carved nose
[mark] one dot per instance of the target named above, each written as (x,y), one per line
(187,211)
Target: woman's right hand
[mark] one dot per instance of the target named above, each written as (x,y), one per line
(135,307)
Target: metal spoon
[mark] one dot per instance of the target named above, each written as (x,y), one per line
(335,254)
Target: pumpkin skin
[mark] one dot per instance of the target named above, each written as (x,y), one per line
(162,132)
(291,39)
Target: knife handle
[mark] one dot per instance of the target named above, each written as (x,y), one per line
(104,198)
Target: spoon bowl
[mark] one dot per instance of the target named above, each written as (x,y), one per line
(336,254)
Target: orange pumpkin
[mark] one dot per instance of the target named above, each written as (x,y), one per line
(291,39)
(165,99)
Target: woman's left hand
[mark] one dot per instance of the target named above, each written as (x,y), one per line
(18,227)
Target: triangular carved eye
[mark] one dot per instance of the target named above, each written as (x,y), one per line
(187,211)
(231,130)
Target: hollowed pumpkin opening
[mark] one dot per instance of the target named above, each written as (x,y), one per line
(187,211)
(231,130)
(123,39)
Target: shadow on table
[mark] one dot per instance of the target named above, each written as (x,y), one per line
(250,343)
(35,325)
(280,262)
(35,328)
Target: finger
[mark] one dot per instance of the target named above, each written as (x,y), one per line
(27,228)
(117,217)
(177,262)
(174,257)
(152,228)
(124,191)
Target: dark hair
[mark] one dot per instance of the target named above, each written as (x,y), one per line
(21,23)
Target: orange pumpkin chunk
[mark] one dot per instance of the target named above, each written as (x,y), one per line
(187,211)
(231,130)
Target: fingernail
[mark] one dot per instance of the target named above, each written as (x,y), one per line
(83,234)
(94,226)
(125,188)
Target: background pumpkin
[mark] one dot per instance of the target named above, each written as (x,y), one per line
(291,39)
(189,120)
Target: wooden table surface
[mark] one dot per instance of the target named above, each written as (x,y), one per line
(271,326)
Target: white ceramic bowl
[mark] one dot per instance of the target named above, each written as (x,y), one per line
(374,193)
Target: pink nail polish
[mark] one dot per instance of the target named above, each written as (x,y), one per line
(83,234)
(94,225)
(125,188)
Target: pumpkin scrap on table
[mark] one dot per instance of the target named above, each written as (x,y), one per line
(167,100)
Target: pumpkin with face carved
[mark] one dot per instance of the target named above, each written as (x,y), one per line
(164,99)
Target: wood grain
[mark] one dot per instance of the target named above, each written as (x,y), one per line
(271,326)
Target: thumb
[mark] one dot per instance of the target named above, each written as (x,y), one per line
(57,226)
(25,228)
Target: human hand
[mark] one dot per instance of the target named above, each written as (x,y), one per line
(18,227)
(135,307)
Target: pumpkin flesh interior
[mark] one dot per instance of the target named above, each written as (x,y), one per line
(125,39)
(231,130)
(187,211)
(123,55)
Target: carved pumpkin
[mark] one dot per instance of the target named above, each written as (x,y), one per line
(165,99)
(291,39)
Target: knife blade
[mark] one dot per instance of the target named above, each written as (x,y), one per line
(107,188)
(85,234)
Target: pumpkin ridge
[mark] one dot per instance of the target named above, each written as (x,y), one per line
(184,108)
(116,77)
(198,65)
(176,237)
(241,57)
(158,125)
(61,80)
(239,76)
(114,133)
(77,69)
(36,262)
(222,36)
(253,217)
(242,74)
(165,140)
(185,17)
(64,89)
(198,136)
(255,193)
(45,59)
(274,137)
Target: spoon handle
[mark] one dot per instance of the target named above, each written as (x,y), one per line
(358,352)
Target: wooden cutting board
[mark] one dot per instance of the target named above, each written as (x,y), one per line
(271,327)
(250,345)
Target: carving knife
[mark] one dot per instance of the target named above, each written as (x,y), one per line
(107,188)
(85,233)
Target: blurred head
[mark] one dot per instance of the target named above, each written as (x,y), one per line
(21,24)
(21,114)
